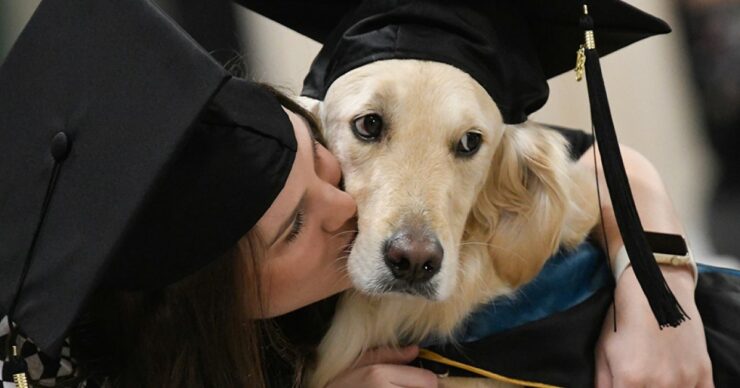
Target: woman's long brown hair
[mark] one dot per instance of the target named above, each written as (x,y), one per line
(193,333)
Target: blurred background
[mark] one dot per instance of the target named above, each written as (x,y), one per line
(674,98)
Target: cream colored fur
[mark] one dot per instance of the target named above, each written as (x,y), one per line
(498,215)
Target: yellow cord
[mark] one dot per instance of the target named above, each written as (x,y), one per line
(431,356)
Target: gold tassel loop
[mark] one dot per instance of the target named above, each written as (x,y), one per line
(20,379)
(580,63)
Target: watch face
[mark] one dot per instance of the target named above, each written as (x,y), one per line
(669,244)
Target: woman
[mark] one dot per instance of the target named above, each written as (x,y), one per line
(189,238)
(208,329)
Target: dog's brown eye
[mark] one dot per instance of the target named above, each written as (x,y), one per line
(368,127)
(469,144)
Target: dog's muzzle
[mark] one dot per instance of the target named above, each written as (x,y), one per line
(413,256)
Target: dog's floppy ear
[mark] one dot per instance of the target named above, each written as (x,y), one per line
(310,104)
(314,107)
(521,210)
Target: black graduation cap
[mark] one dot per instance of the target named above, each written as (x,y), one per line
(511,47)
(128,159)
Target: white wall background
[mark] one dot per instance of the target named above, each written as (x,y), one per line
(651,99)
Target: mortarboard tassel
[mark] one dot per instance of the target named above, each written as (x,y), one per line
(666,308)
(16,364)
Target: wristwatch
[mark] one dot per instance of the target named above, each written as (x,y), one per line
(667,248)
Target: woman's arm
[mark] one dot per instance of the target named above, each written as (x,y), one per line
(639,353)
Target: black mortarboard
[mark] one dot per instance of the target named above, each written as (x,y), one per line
(128,159)
(511,47)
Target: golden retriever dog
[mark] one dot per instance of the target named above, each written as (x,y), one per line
(455,208)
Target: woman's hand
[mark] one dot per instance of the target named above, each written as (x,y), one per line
(384,367)
(639,354)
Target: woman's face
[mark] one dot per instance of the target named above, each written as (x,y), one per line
(307,230)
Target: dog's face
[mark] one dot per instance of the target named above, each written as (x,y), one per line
(415,140)
(426,155)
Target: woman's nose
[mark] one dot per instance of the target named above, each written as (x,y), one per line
(329,169)
(341,208)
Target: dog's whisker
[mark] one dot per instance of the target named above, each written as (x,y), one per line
(343,275)
(345,232)
(474,243)
(340,234)
(513,255)
(342,258)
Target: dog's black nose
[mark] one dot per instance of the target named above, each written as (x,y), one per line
(413,255)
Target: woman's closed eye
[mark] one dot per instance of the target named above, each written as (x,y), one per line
(297,226)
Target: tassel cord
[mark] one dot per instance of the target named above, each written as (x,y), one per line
(15,363)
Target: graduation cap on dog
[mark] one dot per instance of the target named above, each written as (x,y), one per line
(129,159)
(511,48)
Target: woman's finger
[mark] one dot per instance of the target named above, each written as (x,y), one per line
(412,377)
(386,375)
(388,355)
